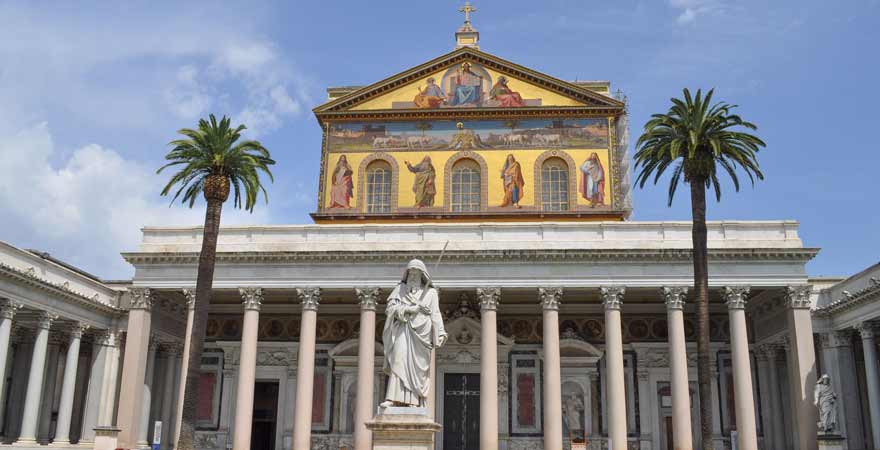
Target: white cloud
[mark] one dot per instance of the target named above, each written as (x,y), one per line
(91,206)
(691,9)
(134,77)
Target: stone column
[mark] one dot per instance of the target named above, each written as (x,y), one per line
(678,363)
(305,371)
(363,410)
(134,367)
(872,378)
(190,295)
(550,299)
(747,432)
(489,298)
(33,396)
(774,395)
(803,369)
(172,355)
(612,298)
(147,402)
(252,298)
(8,308)
(65,407)
(762,361)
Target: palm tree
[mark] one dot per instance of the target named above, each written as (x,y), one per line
(212,160)
(424,126)
(695,138)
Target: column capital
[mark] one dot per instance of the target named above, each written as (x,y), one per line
(866,329)
(735,296)
(251,297)
(368,297)
(309,297)
(108,338)
(8,308)
(550,297)
(141,298)
(77,330)
(190,295)
(798,296)
(45,320)
(489,298)
(612,296)
(674,296)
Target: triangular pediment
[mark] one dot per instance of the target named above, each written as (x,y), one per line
(466,331)
(468,79)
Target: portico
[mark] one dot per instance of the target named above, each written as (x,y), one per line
(340,284)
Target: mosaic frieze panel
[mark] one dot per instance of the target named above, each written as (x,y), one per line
(524,329)
(222,327)
(529,329)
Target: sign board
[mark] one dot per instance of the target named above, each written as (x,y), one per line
(157,434)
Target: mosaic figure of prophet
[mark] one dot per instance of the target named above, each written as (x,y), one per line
(466,87)
(505,96)
(432,97)
(342,186)
(512,178)
(423,185)
(413,328)
(592,186)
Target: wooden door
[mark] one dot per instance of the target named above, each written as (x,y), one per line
(461,411)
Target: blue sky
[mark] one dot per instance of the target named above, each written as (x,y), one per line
(90,93)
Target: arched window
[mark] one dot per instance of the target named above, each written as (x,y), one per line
(554,185)
(378,187)
(465,186)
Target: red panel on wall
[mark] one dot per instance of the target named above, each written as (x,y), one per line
(525,412)
(318,395)
(205,409)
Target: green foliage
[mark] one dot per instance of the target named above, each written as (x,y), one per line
(213,149)
(696,137)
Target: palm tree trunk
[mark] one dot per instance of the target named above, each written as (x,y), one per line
(204,283)
(701,294)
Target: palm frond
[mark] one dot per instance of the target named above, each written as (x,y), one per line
(214,148)
(696,136)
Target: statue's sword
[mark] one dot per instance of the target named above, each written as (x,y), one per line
(437,264)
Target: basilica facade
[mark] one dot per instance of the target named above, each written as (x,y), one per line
(570,325)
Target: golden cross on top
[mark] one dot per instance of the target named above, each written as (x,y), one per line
(467,9)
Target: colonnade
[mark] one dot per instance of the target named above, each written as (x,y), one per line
(550,299)
(98,402)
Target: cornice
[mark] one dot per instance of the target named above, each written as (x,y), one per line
(850,302)
(32,280)
(525,112)
(477,256)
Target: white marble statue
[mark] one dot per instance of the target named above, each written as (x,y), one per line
(413,327)
(573,407)
(826,401)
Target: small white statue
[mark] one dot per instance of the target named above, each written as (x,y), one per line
(826,401)
(413,327)
(573,407)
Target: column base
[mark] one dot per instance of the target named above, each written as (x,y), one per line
(106,438)
(60,443)
(832,442)
(24,442)
(397,428)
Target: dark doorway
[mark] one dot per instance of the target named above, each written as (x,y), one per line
(265,415)
(461,411)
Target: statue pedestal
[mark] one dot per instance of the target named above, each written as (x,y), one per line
(832,442)
(396,428)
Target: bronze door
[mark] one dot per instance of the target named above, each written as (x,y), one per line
(461,411)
